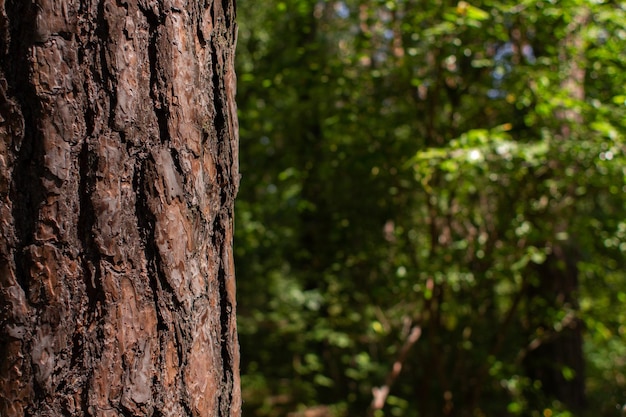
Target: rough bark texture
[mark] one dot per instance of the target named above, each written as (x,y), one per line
(118,171)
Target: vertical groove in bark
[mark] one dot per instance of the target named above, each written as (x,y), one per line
(118,172)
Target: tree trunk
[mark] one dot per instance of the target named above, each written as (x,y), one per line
(118,172)
(559,362)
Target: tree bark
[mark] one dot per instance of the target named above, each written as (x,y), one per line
(118,173)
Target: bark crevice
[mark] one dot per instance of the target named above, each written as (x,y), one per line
(90,255)
(26,190)
(108,80)
(146,224)
(157,85)
(226,309)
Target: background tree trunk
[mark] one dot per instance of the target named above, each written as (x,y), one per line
(559,363)
(118,172)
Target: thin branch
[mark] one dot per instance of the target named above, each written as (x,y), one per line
(380,394)
(566,322)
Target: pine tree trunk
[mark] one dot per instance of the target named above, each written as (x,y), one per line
(118,172)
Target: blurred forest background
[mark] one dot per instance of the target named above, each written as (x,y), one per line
(432,218)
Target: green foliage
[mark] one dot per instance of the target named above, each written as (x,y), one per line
(454,166)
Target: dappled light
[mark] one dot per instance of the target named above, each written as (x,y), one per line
(431,220)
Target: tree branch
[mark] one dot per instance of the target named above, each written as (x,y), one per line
(380,394)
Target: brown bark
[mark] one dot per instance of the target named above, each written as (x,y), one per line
(118,171)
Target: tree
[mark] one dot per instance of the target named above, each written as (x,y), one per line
(118,172)
(434,207)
